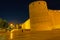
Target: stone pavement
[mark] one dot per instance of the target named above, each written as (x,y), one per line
(26,35)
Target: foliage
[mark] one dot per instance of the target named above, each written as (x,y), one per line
(3,23)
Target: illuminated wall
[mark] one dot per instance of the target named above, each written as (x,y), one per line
(26,24)
(41,18)
(55,15)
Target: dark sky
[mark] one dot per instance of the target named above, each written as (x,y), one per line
(53,4)
(17,10)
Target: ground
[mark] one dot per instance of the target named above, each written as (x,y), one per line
(30,35)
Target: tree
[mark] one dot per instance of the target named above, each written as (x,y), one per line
(3,24)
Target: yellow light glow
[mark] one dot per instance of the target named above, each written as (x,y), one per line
(11,35)
(11,25)
(26,25)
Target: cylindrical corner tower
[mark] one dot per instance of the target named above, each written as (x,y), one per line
(39,17)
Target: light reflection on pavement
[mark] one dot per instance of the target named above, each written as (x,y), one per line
(19,35)
(43,35)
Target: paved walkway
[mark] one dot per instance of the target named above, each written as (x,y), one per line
(19,35)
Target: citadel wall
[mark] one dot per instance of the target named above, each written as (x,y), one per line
(42,18)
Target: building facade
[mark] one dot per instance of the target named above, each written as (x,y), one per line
(42,18)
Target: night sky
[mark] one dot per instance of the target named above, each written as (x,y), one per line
(17,10)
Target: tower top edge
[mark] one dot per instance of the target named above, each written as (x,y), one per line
(37,2)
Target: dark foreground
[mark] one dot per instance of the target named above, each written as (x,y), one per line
(26,35)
